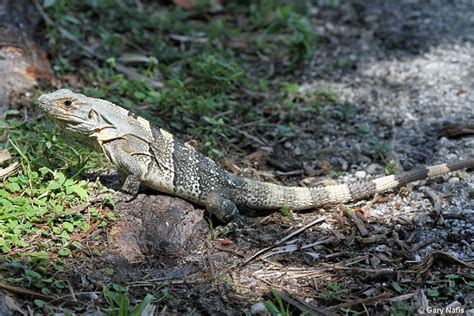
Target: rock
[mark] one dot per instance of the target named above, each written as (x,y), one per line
(361,174)
(374,168)
(259,309)
(453,305)
(156,224)
(453,180)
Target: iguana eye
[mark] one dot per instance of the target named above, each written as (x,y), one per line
(67,103)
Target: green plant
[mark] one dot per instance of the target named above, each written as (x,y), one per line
(286,212)
(38,200)
(119,302)
(278,309)
(400,309)
(391,168)
(334,291)
(300,39)
(380,149)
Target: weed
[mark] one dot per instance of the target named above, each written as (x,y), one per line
(286,212)
(37,201)
(213,232)
(397,287)
(334,291)
(290,23)
(119,302)
(380,149)
(279,308)
(391,167)
(400,309)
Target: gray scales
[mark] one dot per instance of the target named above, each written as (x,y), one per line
(151,156)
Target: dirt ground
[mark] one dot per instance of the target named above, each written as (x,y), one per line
(401,71)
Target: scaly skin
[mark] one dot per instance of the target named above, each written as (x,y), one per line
(154,157)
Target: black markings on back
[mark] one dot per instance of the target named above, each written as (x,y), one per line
(197,175)
(131,114)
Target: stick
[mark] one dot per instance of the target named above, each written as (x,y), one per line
(298,231)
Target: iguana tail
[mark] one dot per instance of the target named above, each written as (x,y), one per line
(262,195)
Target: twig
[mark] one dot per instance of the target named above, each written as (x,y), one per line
(244,133)
(209,258)
(298,231)
(133,73)
(434,198)
(190,39)
(306,308)
(403,297)
(360,301)
(422,244)
(357,221)
(232,251)
(5,172)
(440,255)
(22,291)
(289,173)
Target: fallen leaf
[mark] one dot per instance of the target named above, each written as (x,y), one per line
(225,242)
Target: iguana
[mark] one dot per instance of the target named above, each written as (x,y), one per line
(155,158)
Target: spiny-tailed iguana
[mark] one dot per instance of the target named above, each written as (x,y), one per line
(154,157)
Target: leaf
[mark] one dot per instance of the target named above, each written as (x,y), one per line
(80,192)
(48,3)
(433,293)
(53,185)
(60,284)
(138,310)
(76,244)
(397,287)
(139,95)
(64,252)
(13,187)
(119,288)
(68,226)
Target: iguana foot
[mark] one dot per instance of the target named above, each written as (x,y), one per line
(219,204)
(114,196)
(233,227)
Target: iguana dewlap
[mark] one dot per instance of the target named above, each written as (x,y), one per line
(154,157)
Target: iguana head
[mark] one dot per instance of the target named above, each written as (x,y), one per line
(78,114)
(93,121)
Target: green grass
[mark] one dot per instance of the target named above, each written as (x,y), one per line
(37,201)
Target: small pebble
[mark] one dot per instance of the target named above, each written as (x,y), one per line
(451,157)
(259,309)
(361,174)
(453,180)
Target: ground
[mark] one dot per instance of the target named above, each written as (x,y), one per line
(372,98)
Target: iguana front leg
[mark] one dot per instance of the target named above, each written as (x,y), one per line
(120,153)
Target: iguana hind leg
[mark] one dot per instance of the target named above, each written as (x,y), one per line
(221,205)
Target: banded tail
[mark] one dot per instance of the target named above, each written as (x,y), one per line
(271,196)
